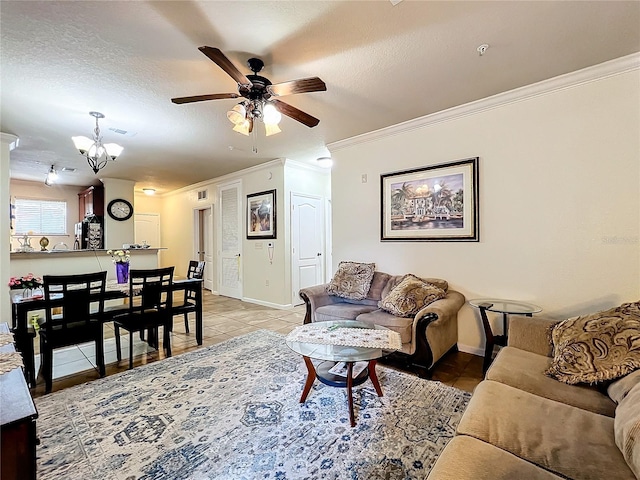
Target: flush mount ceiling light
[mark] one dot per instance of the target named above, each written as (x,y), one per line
(97,153)
(325,162)
(52,176)
(149,191)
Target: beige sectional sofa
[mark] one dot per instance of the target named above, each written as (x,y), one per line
(521,424)
(426,336)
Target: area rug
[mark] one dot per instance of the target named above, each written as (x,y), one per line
(232,411)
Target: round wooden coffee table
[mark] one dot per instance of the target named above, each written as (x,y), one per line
(330,355)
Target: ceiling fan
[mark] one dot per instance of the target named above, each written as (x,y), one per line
(260,95)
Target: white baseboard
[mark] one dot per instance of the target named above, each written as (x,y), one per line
(267,304)
(472,350)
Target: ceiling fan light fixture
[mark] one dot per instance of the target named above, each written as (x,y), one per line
(271,115)
(244,127)
(238,114)
(271,129)
(96,153)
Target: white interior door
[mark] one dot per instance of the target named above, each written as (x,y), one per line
(230,240)
(307,232)
(147,229)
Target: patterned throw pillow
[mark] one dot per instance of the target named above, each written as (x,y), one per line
(410,296)
(597,347)
(352,280)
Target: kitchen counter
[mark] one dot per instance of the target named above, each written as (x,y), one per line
(49,253)
(71,262)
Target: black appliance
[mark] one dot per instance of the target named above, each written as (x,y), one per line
(89,234)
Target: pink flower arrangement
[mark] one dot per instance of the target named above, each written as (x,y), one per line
(27,281)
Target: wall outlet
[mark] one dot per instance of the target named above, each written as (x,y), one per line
(266,283)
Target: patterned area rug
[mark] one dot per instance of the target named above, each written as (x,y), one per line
(231,411)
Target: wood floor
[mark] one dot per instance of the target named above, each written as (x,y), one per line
(223,318)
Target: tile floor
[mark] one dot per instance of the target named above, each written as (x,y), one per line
(223,318)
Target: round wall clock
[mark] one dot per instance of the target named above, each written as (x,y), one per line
(120,209)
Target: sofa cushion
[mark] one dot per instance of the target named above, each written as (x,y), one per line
(597,347)
(525,370)
(558,437)
(341,311)
(352,280)
(467,458)
(378,283)
(627,429)
(410,296)
(396,279)
(620,388)
(404,326)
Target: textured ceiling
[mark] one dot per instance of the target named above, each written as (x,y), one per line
(382,64)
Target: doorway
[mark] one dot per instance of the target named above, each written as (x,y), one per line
(203,237)
(307,242)
(229,238)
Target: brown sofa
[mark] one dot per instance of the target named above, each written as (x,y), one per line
(521,424)
(426,337)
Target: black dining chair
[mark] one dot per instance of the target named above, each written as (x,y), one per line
(195,270)
(149,310)
(74,315)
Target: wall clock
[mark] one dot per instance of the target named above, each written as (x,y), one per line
(120,209)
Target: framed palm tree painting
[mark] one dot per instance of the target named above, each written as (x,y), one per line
(437,203)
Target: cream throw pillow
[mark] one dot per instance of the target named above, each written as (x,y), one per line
(626,428)
(352,280)
(597,347)
(410,296)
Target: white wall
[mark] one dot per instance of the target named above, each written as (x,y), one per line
(7,143)
(117,233)
(559,200)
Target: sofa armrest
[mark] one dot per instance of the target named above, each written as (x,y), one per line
(532,334)
(315,297)
(446,308)
(435,329)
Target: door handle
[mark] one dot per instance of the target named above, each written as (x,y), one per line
(319,255)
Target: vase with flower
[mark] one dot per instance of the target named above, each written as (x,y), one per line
(27,283)
(121,260)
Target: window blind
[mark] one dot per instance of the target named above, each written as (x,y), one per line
(40,217)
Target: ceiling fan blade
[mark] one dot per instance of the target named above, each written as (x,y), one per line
(202,98)
(296,114)
(225,64)
(303,85)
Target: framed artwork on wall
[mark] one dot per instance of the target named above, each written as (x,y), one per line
(261,215)
(438,203)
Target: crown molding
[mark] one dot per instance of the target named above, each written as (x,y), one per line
(228,177)
(601,71)
(307,166)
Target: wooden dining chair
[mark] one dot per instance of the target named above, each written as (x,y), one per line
(195,270)
(149,310)
(79,299)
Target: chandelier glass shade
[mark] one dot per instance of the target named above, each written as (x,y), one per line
(97,153)
(244,114)
(52,176)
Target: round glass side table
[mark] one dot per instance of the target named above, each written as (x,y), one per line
(506,308)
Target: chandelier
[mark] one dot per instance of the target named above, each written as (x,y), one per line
(97,153)
(244,115)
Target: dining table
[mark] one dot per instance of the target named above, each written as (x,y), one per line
(24,333)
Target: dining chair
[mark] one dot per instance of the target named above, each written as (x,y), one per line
(148,310)
(195,270)
(73,315)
